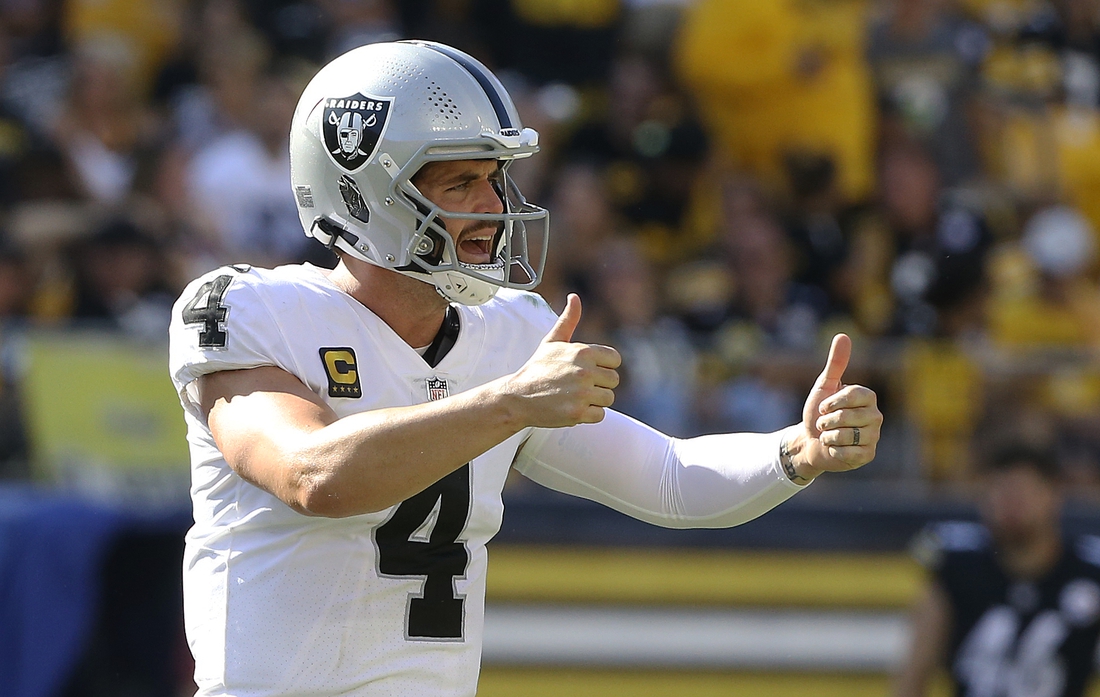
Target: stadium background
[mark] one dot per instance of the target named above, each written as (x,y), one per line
(730,182)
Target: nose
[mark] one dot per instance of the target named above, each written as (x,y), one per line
(487,199)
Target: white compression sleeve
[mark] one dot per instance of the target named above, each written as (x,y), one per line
(706,482)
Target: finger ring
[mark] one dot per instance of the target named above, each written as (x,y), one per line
(855,436)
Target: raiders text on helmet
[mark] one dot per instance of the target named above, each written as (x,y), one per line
(367,123)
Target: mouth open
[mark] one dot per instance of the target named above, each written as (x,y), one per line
(476,249)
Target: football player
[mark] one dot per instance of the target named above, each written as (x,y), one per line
(1011,609)
(351,431)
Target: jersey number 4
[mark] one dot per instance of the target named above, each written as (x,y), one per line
(421,539)
(206,309)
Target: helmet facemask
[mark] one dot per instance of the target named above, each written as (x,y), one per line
(433,254)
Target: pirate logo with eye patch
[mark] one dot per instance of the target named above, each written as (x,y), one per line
(352,127)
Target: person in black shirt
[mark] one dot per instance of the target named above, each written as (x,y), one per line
(1012,609)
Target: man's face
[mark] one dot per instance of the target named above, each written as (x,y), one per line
(1018,504)
(464,186)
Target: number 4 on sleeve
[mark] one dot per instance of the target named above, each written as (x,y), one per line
(206,309)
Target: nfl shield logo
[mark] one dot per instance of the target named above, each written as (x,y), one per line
(353,126)
(437,389)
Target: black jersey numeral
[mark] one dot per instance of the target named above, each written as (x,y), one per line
(211,313)
(411,543)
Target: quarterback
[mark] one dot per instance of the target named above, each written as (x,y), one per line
(351,431)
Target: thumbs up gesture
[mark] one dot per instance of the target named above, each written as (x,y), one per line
(565,383)
(840,423)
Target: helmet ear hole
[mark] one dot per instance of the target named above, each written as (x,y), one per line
(353,199)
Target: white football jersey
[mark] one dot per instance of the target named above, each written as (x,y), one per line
(388,603)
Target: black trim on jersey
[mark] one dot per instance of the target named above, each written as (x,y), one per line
(445,339)
(482,79)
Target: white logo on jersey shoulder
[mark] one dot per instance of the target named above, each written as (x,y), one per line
(1080,602)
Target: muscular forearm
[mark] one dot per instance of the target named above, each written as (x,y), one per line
(370,461)
(277,435)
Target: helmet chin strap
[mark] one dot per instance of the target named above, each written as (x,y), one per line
(451,283)
(458,287)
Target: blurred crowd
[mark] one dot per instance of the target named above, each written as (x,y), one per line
(730,183)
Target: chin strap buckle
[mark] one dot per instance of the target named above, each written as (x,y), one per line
(334,232)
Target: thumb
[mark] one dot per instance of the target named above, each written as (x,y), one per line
(839,354)
(567,322)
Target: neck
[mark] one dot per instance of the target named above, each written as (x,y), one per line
(412,309)
(1034,557)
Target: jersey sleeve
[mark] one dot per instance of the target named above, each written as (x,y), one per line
(706,482)
(222,322)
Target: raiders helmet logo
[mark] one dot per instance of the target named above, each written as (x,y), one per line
(352,128)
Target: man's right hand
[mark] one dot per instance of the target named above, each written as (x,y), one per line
(565,383)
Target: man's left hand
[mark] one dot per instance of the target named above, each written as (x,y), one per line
(840,423)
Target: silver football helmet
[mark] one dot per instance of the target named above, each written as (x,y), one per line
(366,124)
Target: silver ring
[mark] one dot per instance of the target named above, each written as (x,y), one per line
(855,436)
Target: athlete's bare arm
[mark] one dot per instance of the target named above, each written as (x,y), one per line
(279,435)
(931,622)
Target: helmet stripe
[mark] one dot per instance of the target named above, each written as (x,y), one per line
(478,74)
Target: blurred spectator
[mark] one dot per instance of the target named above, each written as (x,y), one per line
(161,199)
(767,313)
(352,23)
(583,221)
(703,291)
(926,60)
(1012,607)
(760,259)
(120,282)
(758,399)
(658,372)
(229,57)
(238,181)
(546,40)
(1043,295)
(819,225)
(145,30)
(653,150)
(759,255)
(105,123)
(16,284)
(303,29)
(16,287)
(15,136)
(929,250)
(34,71)
(1045,301)
(775,78)
(943,398)
(1071,28)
